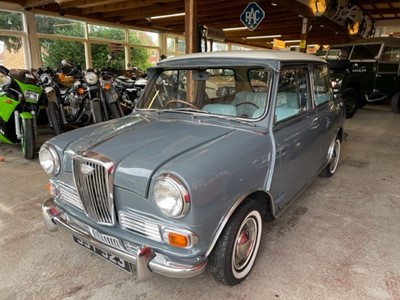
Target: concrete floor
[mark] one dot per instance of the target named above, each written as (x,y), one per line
(339,240)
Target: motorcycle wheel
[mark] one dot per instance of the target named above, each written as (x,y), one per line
(54,118)
(96,111)
(115,112)
(27,138)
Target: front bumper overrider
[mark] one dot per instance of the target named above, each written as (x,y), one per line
(146,259)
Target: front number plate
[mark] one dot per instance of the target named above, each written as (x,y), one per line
(111,258)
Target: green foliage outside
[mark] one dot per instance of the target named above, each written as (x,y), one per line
(11,21)
(55,50)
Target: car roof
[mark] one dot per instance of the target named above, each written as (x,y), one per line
(377,40)
(252,55)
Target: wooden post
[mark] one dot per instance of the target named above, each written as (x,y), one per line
(190,42)
(191,26)
(303,38)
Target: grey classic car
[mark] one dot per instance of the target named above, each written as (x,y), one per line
(184,183)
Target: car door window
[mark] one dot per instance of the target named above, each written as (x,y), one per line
(391,54)
(293,92)
(322,88)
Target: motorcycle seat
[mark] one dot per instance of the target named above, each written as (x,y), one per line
(124,81)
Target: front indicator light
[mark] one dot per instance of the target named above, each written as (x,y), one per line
(107,86)
(51,189)
(178,240)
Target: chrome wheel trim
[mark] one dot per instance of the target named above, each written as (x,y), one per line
(334,161)
(246,244)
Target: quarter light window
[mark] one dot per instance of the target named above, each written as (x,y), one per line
(322,89)
(293,93)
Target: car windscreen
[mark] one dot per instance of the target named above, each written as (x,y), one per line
(225,91)
(361,52)
(338,52)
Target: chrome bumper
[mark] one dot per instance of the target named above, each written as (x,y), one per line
(146,260)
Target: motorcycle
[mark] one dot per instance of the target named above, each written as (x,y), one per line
(93,96)
(81,100)
(51,93)
(110,95)
(129,88)
(19,97)
(127,93)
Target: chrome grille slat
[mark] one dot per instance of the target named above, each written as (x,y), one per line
(143,226)
(112,241)
(94,187)
(69,195)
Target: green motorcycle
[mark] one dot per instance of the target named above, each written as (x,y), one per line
(19,96)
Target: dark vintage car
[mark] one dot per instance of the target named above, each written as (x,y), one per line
(367,70)
(184,182)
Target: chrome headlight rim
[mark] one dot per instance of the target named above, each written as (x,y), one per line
(46,78)
(181,205)
(54,168)
(91,78)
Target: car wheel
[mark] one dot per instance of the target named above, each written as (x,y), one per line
(235,252)
(362,102)
(351,99)
(334,155)
(396,103)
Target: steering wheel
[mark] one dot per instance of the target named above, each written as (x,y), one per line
(171,102)
(243,103)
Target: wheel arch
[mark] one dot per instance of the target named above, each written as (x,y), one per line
(261,197)
(355,85)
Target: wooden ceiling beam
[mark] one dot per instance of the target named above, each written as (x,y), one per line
(374,2)
(380,11)
(123,6)
(35,3)
(145,12)
(80,3)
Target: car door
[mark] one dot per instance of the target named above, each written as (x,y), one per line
(387,77)
(327,109)
(297,135)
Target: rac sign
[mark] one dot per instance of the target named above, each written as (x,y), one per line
(252,16)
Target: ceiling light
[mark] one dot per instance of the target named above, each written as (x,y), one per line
(167,16)
(274,4)
(263,37)
(292,41)
(234,28)
(318,7)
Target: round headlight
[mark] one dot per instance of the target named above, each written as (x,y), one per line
(91,78)
(46,78)
(49,159)
(171,196)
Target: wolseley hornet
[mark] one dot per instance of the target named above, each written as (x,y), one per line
(186,181)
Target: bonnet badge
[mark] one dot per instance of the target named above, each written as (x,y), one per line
(86,169)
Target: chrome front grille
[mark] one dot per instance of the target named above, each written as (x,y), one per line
(109,240)
(93,180)
(133,222)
